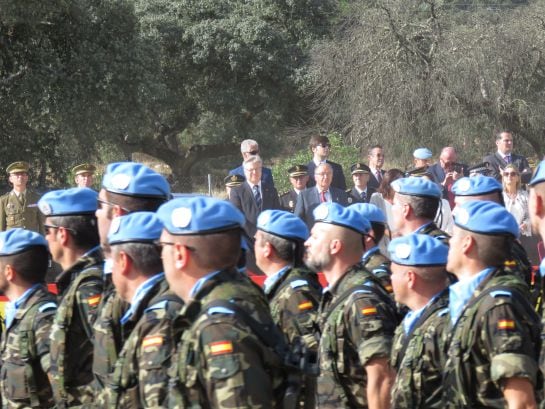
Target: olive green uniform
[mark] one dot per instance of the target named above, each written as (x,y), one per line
(21,211)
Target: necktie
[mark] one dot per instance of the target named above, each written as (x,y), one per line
(257,196)
(507,158)
(322,197)
(379,176)
(363,196)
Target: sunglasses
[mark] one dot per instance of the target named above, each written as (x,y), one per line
(101,203)
(324,145)
(162,244)
(49,227)
(254,152)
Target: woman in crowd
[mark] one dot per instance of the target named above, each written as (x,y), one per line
(516,199)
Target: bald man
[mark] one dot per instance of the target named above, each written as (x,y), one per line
(447,171)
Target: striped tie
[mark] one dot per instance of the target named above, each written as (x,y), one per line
(257,196)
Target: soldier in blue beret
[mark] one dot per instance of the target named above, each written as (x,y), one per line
(494,341)
(354,305)
(422,157)
(230,343)
(72,233)
(140,378)
(420,282)
(25,351)
(414,207)
(127,187)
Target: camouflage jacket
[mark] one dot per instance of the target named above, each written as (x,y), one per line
(378,264)
(139,378)
(358,323)
(431,229)
(495,338)
(419,358)
(518,264)
(220,360)
(25,354)
(21,212)
(80,291)
(294,301)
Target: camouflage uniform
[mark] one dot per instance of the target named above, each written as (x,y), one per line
(21,211)
(140,376)
(496,337)
(221,361)
(25,353)
(358,323)
(431,229)
(418,358)
(378,264)
(80,291)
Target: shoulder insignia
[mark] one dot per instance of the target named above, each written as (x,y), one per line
(379,270)
(443,312)
(94,300)
(291,204)
(348,191)
(362,292)
(305,305)
(221,347)
(47,306)
(219,310)
(500,293)
(285,193)
(161,305)
(32,205)
(506,325)
(298,283)
(350,200)
(368,311)
(441,236)
(152,341)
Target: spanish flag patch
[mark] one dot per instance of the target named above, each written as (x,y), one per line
(221,347)
(369,311)
(94,300)
(152,341)
(389,288)
(506,324)
(305,305)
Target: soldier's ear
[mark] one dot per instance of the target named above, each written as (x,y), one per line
(9,272)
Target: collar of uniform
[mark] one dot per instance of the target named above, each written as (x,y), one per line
(421,228)
(139,295)
(13,192)
(413,316)
(462,291)
(542,268)
(90,258)
(360,191)
(12,307)
(370,252)
(355,275)
(270,281)
(200,283)
(297,190)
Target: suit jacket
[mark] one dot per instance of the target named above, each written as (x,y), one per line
(373,182)
(288,200)
(355,197)
(309,199)
(243,198)
(497,163)
(21,212)
(266,174)
(338,175)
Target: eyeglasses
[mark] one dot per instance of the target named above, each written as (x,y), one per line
(49,227)
(513,174)
(162,244)
(101,202)
(324,145)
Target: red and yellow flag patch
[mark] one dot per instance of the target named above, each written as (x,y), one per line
(221,347)
(506,324)
(389,288)
(369,311)
(94,300)
(305,305)
(152,341)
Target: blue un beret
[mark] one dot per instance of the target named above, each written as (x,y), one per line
(68,202)
(196,215)
(539,176)
(137,227)
(135,179)
(422,153)
(476,186)
(418,250)
(370,211)
(17,240)
(415,186)
(283,224)
(334,213)
(485,217)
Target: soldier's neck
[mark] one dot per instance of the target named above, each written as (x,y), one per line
(19,189)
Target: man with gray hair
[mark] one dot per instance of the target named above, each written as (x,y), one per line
(249,148)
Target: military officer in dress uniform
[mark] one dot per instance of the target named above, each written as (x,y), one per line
(419,279)
(19,208)
(84,174)
(231,181)
(298,178)
(493,336)
(361,192)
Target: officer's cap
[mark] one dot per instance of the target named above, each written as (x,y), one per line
(418,250)
(422,153)
(199,215)
(480,169)
(137,227)
(418,172)
(66,202)
(16,167)
(359,168)
(370,211)
(135,179)
(17,240)
(415,186)
(234,180)
(283,224)
(476,186)
(83,168)
(334,213)
(539,175)
(485,217)
(298,170)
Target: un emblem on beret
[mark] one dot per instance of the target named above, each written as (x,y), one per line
(45,208)
(464,185)
(116,224)
(462,216)
(321,212)
(264,219)
(181,217)
(121,181)
(403,251)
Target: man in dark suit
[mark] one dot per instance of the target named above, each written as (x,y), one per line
(376,161)
(320,148)
(447,171)
(298,179)
(504,156)
(323,191)
(248,148)
(361,192)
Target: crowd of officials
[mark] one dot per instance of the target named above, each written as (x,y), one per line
(155,308)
